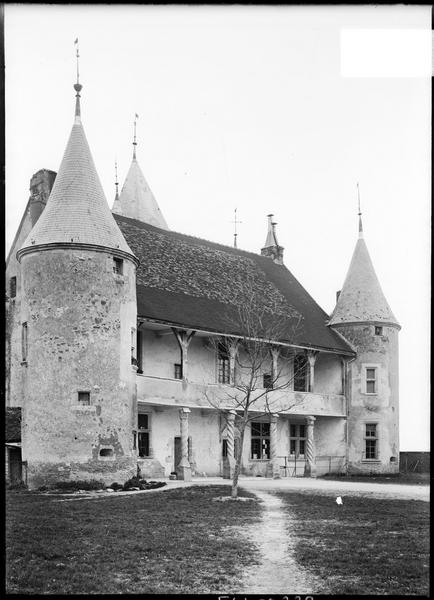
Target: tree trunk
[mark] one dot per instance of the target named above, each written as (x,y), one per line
(237,469)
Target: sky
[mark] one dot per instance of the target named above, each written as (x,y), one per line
(262,109)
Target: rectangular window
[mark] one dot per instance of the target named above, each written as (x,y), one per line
(300,373)
(371,440)
(297,440)
(260,444)
(143,435)
(24,341)
(371,380)
(378,330)
(225,448)
(268,381)
(139,351)
(224,375)
(178,370)
(118,266)
(133,346)
(13,287)
(84,398)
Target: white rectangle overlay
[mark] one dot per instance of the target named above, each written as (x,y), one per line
(386,52)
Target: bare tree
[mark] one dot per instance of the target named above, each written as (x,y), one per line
(256,378)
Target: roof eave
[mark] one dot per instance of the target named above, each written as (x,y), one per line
(302,346)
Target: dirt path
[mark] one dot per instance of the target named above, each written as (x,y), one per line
(278,572)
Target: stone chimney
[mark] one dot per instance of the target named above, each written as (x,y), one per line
(40,187)
(272,248)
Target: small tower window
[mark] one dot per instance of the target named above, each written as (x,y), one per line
(24,341)
(13,287)
(371,440)
(118,266)
(371,380)
(106,452)
(178,370)
(378,330)
(84,398)
(268,381)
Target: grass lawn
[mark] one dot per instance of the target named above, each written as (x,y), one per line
(365,546)
(169,542)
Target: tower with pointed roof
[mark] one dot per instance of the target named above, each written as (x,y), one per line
(136,199)
(79,317)
(364,318)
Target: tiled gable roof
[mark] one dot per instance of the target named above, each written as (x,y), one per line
(13,424)
(200,284)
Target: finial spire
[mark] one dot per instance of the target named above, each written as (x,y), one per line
(116,178)
(77,86)
(134,141)
(359,213)
(235,222)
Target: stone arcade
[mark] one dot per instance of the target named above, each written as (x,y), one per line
(110,365)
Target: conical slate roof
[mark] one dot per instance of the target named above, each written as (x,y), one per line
(362,298)
(77,211)
(117,205)
(137,201)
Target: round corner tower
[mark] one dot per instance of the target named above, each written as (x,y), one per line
(363,316)
(79,313)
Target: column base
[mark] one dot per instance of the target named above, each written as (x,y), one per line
(309,470)
(184,473)
(273,470)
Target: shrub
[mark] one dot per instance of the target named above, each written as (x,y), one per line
(133,482)
(116,486)
(142,484)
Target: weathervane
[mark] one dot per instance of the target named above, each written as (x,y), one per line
(78,56)
(135,142)
(235,222)
(77,86)
(359,213)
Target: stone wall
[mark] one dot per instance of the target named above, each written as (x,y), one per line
(382,408)
(80,315)
(40,188)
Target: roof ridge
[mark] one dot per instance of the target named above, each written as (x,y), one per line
(192,237)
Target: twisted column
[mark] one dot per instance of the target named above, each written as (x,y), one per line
(275,469)
(309,467)
(183,470)
(229,460)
